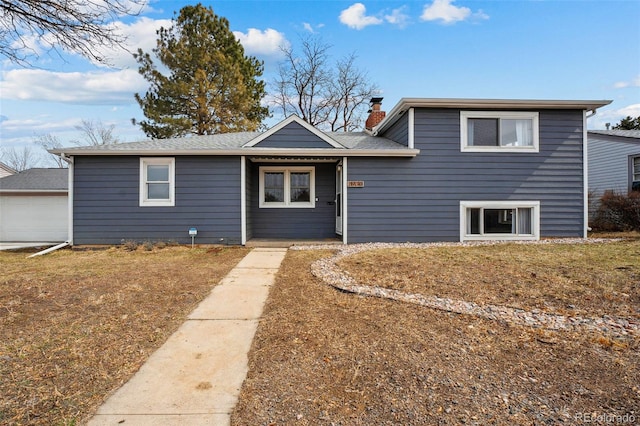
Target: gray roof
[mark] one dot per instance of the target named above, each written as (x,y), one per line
(36,180)
(229,142)
(206,142)
(635,134)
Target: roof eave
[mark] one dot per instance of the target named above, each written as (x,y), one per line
(285,152)
(405,103)
(33,191)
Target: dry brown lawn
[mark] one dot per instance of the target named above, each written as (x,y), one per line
(76,325)
(325,357)
(578,279)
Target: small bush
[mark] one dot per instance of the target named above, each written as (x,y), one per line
(148,245)
(618,212)
(129,245)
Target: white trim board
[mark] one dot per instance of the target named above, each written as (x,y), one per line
(535,220)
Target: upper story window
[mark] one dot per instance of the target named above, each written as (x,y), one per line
(635,173)
(499,131)
(157,181)
(288,187)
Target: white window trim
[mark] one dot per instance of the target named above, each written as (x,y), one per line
(535,225)
(287,204)
(144,200)
(634,174)
(517,115)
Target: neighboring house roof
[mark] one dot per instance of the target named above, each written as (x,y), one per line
(496,104)
(630,135)
(6,170)
(36,180)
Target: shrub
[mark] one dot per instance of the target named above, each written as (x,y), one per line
(618,212)
(129,245)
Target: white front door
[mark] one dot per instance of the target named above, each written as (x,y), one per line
(338,203)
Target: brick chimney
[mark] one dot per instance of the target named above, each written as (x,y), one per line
(375,114)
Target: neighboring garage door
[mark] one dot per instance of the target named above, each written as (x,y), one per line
(33,218)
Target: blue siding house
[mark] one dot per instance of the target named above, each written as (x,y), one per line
(429,170)
(614,163)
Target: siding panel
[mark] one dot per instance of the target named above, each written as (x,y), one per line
(609,166)
(107,211)
(293,136)
(418,199)
(399,132)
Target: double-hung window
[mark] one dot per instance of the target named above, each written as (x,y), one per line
(157,181)
(290,187)
(635,173)
(496,131)
(499,220)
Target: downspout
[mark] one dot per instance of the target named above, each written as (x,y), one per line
(243,200)
(345,201)
(69,161)
(585,169)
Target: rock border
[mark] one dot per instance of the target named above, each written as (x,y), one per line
(328,271)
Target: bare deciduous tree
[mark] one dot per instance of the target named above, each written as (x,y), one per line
(19,159)
(323,94)
(48,142)
(302,85)
(94,133)
(74,25)
(350,94)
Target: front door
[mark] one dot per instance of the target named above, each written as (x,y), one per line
(339,199)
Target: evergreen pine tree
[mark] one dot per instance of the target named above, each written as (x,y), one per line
(209,85)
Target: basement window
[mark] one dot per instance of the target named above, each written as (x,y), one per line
(506,220)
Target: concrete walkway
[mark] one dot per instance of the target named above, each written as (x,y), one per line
(195,377)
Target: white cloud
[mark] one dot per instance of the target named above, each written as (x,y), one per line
(612,116)
(140,34)
(89,88)
(40,125)
(635,82)
(398,17)
(445,11)
(311,28)
(262,43)
(355,17)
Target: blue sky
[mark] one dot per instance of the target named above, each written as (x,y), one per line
(543,49)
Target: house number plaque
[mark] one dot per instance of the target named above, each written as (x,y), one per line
(355,184)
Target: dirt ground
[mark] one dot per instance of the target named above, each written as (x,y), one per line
(74,326)
(324,357)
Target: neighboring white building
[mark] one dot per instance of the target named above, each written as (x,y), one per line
(5,170)
(34,206)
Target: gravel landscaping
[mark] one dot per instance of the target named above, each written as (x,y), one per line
(333,355)
(327,269)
